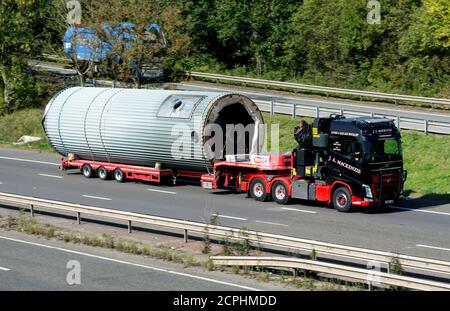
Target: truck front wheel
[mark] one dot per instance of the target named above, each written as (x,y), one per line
(342,199)
(258,190)
(280,193)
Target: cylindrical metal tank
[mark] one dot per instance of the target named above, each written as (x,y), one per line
(142,127)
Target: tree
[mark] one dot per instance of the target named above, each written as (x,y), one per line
(236,33)
(22,35)
(133,47)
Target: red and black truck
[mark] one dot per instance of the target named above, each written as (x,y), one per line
(347,162)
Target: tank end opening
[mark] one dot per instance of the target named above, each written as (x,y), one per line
(233,127)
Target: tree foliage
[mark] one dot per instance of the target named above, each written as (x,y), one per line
(329,42)
(141,13)
(23,33)
(312,41)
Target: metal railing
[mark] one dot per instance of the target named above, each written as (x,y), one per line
(373,278)
(286,243)
(323,89)
(298,86)
(296,109)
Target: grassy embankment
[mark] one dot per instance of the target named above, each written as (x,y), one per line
(427,158)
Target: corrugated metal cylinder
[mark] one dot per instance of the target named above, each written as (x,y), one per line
(142,127)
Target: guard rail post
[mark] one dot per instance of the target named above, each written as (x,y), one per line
(185,235)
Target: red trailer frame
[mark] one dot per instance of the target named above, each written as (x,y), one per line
(122,172)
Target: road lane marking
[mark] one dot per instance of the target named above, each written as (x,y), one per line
(1,183)
(51,176)
(419,210)
(271,223)
(26,160)
(162,191)
(96,198)
(4,269)
(231,217)
(298,210)
(433,247)
(131,264)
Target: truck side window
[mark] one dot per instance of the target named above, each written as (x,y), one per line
(351,150)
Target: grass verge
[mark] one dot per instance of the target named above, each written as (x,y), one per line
(23,122)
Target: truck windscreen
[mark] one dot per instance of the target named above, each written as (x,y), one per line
(382,150)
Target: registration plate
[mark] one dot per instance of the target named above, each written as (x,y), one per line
(207,185)
(388,201)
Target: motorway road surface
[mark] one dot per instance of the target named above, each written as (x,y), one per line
(31,263)
(418,227)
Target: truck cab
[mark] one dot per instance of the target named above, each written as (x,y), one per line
(362,154)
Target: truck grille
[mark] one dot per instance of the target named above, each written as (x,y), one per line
(386,183)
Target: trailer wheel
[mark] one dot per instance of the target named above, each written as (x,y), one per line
(87,171)
(119,176)
(280,192)
(258,189)
(342,199)
(103,173)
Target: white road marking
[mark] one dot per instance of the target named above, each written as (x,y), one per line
(51,176)
(4,269)
(97,198)
(131,264)
(420,210)
(26,160)
(298,210)
(231,217)
(270,223)
(1,183)
(433,247)
(162,191)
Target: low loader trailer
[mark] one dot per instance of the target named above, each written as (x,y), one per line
(342,162)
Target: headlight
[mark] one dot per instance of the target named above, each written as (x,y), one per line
(368,191)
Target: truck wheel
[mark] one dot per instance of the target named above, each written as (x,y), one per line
(280,192)
(119,176)
(87,171)
(258,190)
(103,173)
(342,199)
